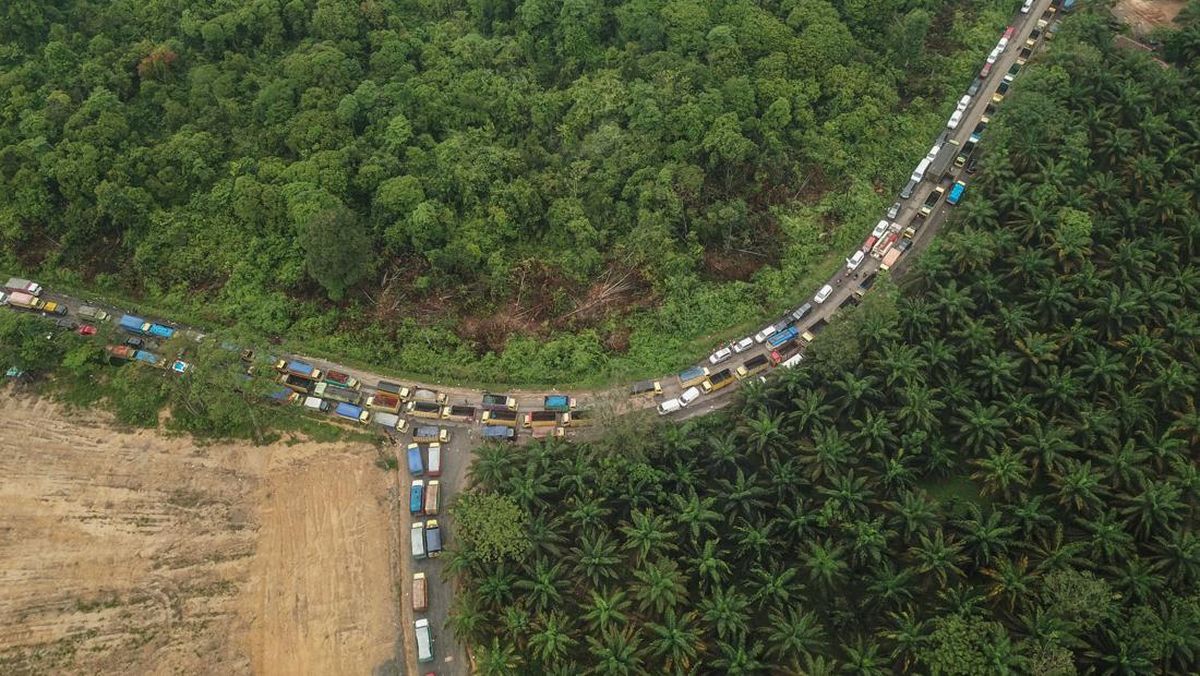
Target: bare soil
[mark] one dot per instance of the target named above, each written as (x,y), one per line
(1144,16)
(133,552)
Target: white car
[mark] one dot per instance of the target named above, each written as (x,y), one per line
(3,298)
(995,53)
(743,345)
(854,261)
(1027,6)
(689,395)
(933,152)
(963,102)
(880,228)
(823,294)
(720,355)
(765,333)
(954,120)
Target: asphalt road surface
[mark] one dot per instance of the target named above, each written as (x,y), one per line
(451,657)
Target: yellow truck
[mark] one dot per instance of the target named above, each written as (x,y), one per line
(424,409)
(752,366)
(541,419)
(580,418)
(506,418)
(719,380)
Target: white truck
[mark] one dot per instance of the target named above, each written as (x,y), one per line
(18,284)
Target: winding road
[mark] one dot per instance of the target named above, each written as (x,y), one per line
(452,658)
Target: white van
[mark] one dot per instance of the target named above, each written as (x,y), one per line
(424,640)
(689,395)
(823,294)
(919,172)
(418,540)
(316,404)
(669,406)
(854,261)
(435,460)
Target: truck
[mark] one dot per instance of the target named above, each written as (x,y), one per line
(558,402)
(890,259)
(316,404)
(298,368)
(817,327)
(459,413)
(941,162)
(931,201)
(416,466)
(434,466)
(693,376)
(717,381)
(326,390)
(158,330)
(432,497)
(417,537)
(499,433)
(966,151)
(541,419)
(146,357)
(783,337)
(420,593)
(25,301)
(382,401)
(543,432)
(93,313)
(433,538)
(956,193)
(645,387)
(500,418)
(422,394)
(885,245)
(753,365)
(865,285)
(51,307)
(581,418)
(391,421)
(23,286)
(416,497)
(424,409)
(352,412)
(283,396)
(392,388)
(122,352)
(296,383)
(342,380)
(499,402)
(429,433)
(424,638)
(783,353)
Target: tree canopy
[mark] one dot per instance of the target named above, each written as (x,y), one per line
(1004,479)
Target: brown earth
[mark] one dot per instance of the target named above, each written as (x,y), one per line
(1144,16)
(133,552)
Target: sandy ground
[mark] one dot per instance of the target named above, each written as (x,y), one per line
(1146,15)
(133,552)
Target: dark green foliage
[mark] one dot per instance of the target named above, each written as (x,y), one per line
(536,191)
(1002,477)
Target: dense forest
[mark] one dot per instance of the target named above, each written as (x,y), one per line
(992,469)
(537,191)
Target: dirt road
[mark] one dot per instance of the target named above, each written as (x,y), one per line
(132,552)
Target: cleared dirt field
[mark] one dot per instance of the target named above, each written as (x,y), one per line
(133,552)
(1146,15)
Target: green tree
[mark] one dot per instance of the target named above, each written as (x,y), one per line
(491,525)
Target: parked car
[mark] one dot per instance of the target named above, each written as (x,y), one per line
(765,333)
(720,355)
(952,123)
(743,344)
(894,210)
(800,312)
(823,294)
(689,395)
(1027,6)
(854,261)
(963,102)
(87,330)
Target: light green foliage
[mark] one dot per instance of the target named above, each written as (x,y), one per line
(223,160)
(491,526)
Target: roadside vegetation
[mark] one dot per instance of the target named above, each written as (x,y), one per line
(528,192)
(1003,479)
(215,399)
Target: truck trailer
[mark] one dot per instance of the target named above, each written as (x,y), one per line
(298,368)
(541,419)
(352,412)
(326,390)
(499,402)
(717,381)
(24,286)
(558,402)
(416,466)
(499,433)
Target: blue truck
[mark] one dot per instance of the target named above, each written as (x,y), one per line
(499,433)
(146,357)
(783,337)
(956,192)
(142,327)
(131,324)
(416,497)
(298,368)
(352,412)
(415,466)
(558,402)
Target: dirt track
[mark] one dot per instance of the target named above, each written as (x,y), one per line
(139,553)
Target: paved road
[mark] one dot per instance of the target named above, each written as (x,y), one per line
(451,657)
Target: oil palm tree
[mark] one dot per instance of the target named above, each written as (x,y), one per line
(725,609)
(677,640)
(793,633)
(825,563)
(497,659)
(647,534)
(617,652)
(596,558)
(660,585)
(938,555)
(552,642)
(606,609)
